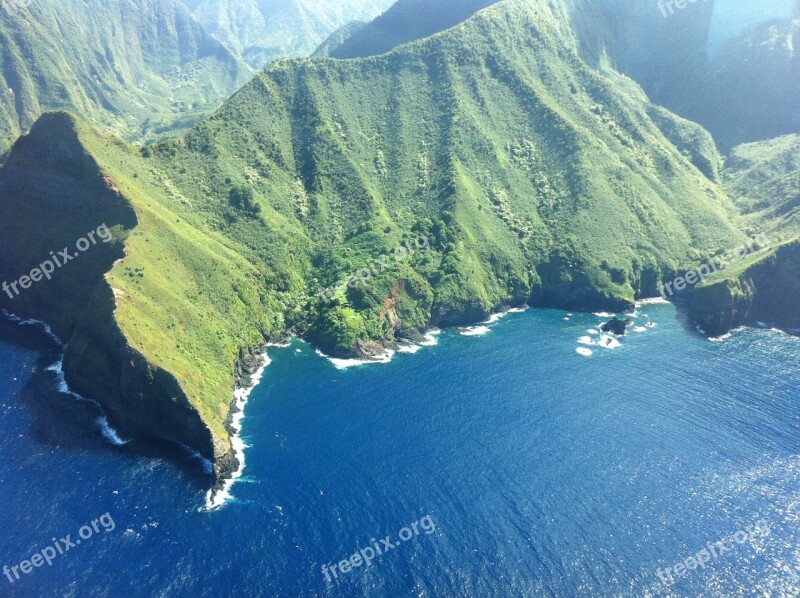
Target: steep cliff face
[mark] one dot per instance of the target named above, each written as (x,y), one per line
(768,291)
(139,398)
(52,194)
(764,180)
(58,207)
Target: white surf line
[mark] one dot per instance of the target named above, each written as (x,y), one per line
(57,368)
(474,331)
(485,327)
(343,364)
(405,346)
(652,301)
(215,500)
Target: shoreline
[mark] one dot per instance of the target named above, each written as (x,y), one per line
(251,366)
(220,493)
(430,335)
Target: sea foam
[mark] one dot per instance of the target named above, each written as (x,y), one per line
(216,499)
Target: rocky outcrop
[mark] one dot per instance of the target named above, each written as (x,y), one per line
(616,326)
(768,291)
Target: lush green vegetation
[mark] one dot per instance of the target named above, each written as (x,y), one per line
(535,177)
(138,68)
(764,179)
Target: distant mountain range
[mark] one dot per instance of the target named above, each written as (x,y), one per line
(261,30)
(730,65)
(137,68)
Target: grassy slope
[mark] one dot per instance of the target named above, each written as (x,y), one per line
(764,178)
(137,68)
(186,298)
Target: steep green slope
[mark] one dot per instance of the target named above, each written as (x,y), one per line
(158,321)
(764,178)
(406,21)
(262,30)
(137,68)
(534,178)
(529,176)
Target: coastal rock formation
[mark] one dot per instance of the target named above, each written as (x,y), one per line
(616,326)
(768,292)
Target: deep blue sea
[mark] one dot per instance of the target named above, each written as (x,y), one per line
(537,471)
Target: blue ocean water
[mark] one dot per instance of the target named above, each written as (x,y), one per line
(545,472)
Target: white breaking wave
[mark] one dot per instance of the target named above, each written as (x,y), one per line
(652,301)
(604,314)
(431,338)
(474,331)
(109,433)
(215,500)
(719,339)
(608,342)
(408,347)
(343,364)
(385,357)
(57,368)
(484,327)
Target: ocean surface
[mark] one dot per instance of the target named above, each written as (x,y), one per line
(510,463)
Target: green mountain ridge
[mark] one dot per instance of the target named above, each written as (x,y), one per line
(136,68)
(533,177)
